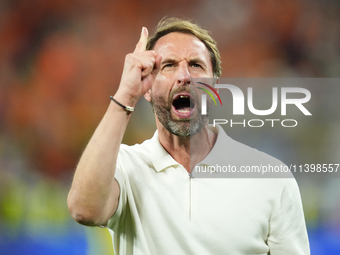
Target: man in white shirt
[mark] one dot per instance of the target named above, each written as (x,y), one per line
(145,193)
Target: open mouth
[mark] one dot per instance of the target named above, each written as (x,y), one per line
(183,105)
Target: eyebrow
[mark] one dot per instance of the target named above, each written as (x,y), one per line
(197,60)
(191,60)
(169,60)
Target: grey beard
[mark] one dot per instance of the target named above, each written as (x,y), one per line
(182,128)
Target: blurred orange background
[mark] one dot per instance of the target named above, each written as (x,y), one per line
(61,60)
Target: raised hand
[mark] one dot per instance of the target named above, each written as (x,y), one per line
(140,69)
(94,194)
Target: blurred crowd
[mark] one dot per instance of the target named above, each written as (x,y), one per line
(61,60)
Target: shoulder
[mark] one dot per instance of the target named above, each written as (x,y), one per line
(136,151)
(136,148)
(242,161)
(228,149)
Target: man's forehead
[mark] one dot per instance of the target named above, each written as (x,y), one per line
(177,42)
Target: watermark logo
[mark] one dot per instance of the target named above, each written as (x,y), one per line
(204,97)
(288,118)
(278,100)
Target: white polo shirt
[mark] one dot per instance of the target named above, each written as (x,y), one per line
(162,210)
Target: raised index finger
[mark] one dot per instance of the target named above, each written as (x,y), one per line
(141,45)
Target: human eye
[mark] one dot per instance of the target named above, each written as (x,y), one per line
(168,65)
(196,65)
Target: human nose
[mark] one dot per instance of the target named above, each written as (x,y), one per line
(183,75)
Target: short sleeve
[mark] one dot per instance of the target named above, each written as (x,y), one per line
(287,231)
(117,217)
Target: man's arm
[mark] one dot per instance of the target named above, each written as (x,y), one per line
(94,195)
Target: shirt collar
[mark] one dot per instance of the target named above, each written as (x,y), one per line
(161,159)
(222,144)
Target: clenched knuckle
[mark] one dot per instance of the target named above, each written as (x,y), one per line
(128,57)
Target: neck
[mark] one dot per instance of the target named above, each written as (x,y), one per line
(187,151)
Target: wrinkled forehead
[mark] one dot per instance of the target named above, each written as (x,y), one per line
(182,45)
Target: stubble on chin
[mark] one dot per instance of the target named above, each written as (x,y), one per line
(181,128)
